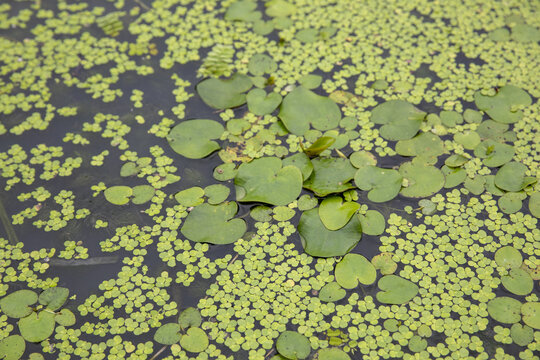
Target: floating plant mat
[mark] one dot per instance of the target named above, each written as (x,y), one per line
(219,180)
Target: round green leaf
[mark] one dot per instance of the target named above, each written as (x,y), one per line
(216,193)
(293,345)
(450,118)
(373,222)
(493,153)
(335,214)
(531,314)
(190,317)
(383,184)
(261,213)
(469,139)
(261,64)
(260,103)
(424,144)
(214,224)
(508,257)
(283,213)
(36,356)
(330,175)
(417,344)
(243,10)
(354,269)
(504,309)
(472,116)
(266,181)
(428,206)
(12,347)
(190,197)
(129,169)
(318,241)
(195,340)
(510,202)
(396,290)
(310,81)
(400,120)
(525,33)
(518,282)
(302,162)
(362,158)
(332,292)
(522,335)
(17,304)
(511,177)
(194,139)
(534,204)
(384,263)
(168,334)
(333,354)
(65,317)
(224,93)
(501,106)
(118,195)
(37,327)
(422,180)
(142,194)
(225,172)
(306,202)
(455,160)
(475,185)
(302,107)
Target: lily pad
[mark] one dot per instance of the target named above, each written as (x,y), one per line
(335,214)
(383,184)
(321,144)
(129,169)
(423,180)
(475,185)
(306,202)
(490,129)
(333,354)
(302,107)
(224,93)
(518,281)
(468,139)
(260,103)
(54,297)
(65,317)
(195,340)
(400,120)
(491,187)
(450,118)
(384,263)
(194,139)
(373,222)
(261,64)
(118,195)
(428,206)
(522,335)
(472,116)
(12,347)
(293,345)
(310,81)
(502,106)
(531,314)
(168,334)
(216,193)
(190,317)
(362,158)
(525,33)
(190,197)
(426,144)
(417,344)
(142,194)
(17,304)
(225,172)
(283,213)
(354,269)
(396,290)
(330,175)
(37,327)
(243,10)
(214,224)
(318,241)
(332,292)
(505,310)
(534,204)
(508,257)
(511,177)
(265,180)
(510,202)
(493,153)
(279,8)
(261,213)
(302,162)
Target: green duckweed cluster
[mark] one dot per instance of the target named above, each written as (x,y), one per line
(273,179)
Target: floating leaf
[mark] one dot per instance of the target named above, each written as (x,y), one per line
(265,180)
(511,202)
(493,153)
(534,204)
(302,162)
(504,309)
(65,317)
(310,81)
(511,177)
(333,354)
(472,116)
(490,129)
(260,103)
(508,257)
(382,184)
(189,317)
(243,10)
(216,193)
(428,206)
(54,297)
(195,340)
(214,224)
(501,107)
(321,144)
(531,314)
(37,327)
(335,214)
(302,107)
(168,334)
(400,120)
(475,185)
(306,202)
(391,325)
(354,269)
(279,8)
(225,172)
(261,213)
(332,292)
(190,197)
(491,187)
(450,118)
(525,33)
(330,175)
(283,213)
(293,345)
(12,347)
(396,290)
(194,139)
(522,335)
(17,304)
(129,169)
(373,222)
(318,241)
(417,344)
(362,158)
(35,356)
(224,94)
(518,282)
(426,144)
(424,331)
(118,195)
(142,194)
(423,180)
(384,263)
(469,139)
(261,64)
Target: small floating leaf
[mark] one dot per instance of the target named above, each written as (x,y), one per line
(335,214)
(373,222)
(511,202)
(500,107)
(302,162)
(260,103)
(225,172)
(522,335)
(425,144)
(330,175)
(382,184)
(37,327)
(118,195)
(508,257)
(243,10)
(362,158)
(354,269)
(332,292)
(534,204)
(189,317)
(518,282)
(423,180)
(194,139)
(400,120)
(511,177)
(306,202)
(493,153)
(504,309)
(531,314)
(168,334)
(261,213)
(195,340)
(261,64)
(17,304)
(396,290)
(12,347)
(428,206)
(54,297)
(216,193)
(417,344)
(333,354)
(65,317)
(190,197)
(142,194)
(293,345)
(384,263)
(224,93)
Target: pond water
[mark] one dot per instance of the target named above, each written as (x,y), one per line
(272,179)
